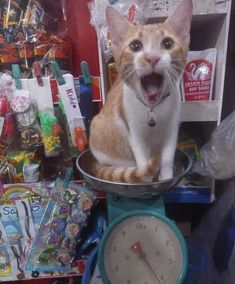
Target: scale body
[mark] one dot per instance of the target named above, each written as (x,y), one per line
(127,217)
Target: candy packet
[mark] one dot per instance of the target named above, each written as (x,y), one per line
(10,260)
(6,118)
(12,226)
(24,166)
(40,90)
(25,112)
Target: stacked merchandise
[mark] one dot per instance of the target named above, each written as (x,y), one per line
(44,121)
(40,227)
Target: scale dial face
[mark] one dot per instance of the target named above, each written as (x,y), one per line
(143,249)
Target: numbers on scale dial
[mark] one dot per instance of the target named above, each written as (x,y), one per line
(162,251)
(140,226)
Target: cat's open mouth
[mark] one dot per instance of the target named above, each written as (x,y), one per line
(152,86)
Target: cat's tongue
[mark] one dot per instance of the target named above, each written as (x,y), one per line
(152,93)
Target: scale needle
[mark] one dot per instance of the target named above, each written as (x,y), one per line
(137,248)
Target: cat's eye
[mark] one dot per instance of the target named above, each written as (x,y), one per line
(167,43)
(136,45)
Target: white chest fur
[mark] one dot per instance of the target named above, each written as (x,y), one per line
(146,141)
(138,115)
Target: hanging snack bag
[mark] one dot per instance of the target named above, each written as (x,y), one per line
(9,55)
(59,51)
(6,118)
(198,76)
(25,112)
(40,91)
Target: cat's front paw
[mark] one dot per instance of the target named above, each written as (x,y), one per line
(165,173)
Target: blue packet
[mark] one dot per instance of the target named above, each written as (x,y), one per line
(11,223)
(62,223)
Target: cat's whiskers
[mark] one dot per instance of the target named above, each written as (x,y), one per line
(177,68)
(173,73)
(128,72)
(171,78)
(129,75)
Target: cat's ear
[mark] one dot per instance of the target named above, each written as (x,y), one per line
(118,26)
(180,20)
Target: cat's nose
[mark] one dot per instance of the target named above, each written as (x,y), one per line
(153,59)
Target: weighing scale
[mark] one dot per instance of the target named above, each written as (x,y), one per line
(140,245)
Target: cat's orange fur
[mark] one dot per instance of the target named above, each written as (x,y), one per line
(112,137)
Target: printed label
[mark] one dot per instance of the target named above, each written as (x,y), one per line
(197,80)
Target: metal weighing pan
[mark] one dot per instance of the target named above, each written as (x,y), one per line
(182,165)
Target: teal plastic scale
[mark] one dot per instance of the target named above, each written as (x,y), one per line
(140,245)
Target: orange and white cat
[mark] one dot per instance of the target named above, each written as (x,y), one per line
(136,131)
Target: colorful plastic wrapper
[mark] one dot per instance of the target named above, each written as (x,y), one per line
(5,260)
(20,219)
(40,92)
(10,258)
(51,131)
(36,192)
(11,223)
(24,166)
(25,112)
(62,224)
(131,9)
(6,118)
(30,32)
(22,209)
(217,157)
